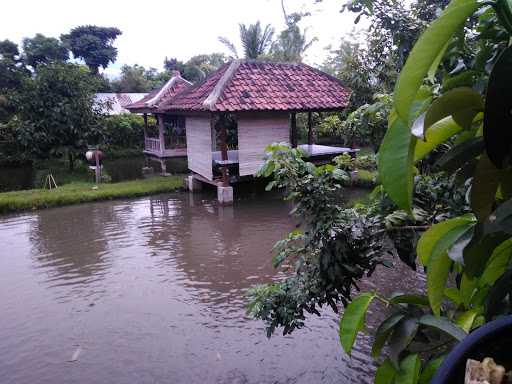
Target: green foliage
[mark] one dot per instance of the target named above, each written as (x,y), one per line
(291,43)
(92,44)
(353,320)
(474,249)
(198,67)
(255,40)
(124,131)
(56,112)
(43,50)
(135,78)
(366,126)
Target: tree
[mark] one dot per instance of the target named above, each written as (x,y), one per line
(198,67)
(12,75)
(133,79)
(93,44)
(291,44)
(56,112)
(255,40)
(43,50)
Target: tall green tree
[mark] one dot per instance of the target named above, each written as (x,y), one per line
(197,67)
(9,50)
(292,43)
(133,79)
(12,75)
(56,113)
(255,40)
(43,50)
(93,44)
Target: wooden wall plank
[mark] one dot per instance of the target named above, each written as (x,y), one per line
(199,145)
(255,132)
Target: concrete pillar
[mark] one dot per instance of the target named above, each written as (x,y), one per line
(164,168)
(193,185)
(225,195)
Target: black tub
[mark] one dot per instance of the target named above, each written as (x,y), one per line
(492,340)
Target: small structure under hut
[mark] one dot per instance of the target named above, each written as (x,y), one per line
(231,116)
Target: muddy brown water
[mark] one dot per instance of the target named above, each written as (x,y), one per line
(152,290)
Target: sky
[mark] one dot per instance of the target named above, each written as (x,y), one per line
(155,29)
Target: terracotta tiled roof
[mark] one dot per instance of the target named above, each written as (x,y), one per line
(157,97)
(256,86)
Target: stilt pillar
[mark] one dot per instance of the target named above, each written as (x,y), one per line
(293,130)
(225,195)
(193,185)
(310,129)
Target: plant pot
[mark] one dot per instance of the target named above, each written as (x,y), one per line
(494,340)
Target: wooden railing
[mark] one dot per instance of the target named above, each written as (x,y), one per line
(152,145)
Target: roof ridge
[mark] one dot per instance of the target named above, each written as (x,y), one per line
(221,85)
(155,99)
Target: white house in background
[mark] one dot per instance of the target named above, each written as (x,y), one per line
(118,101)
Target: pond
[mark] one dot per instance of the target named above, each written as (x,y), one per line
(153,290)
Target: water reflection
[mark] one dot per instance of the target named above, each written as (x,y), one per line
(153,291)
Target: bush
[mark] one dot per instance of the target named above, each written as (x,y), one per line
(124,131)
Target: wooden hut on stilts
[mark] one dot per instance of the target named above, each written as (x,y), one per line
(231,116)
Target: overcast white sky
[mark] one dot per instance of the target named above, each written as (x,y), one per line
(172,28)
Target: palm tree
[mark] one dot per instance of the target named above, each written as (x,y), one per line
(255,40)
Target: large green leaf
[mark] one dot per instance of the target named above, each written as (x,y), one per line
(384,331)
(436,135)
(352,320)
(430,370)
(497,119)
(427,50)
(494,231)
(484,187)
(461,154)
(409,372)
(466,319)
(497,264)
(467,288)
(385,373)
(443,325)
(442,236)
(462,104)
(395,162)
(403,334)
(438,269)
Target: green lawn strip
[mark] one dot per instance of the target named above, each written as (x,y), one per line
(80,192)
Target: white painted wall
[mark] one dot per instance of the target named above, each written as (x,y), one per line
(199,145)
(255,132)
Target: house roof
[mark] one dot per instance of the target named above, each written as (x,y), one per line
(153,99)
(261,86)
(118,101)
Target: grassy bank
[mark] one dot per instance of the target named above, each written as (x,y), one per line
(82,192)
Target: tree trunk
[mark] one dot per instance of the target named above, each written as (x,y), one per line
(71,161)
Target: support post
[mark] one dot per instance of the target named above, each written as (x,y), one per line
(293,130)
(224,154)
(145,115)
(98,169)
(161,133)
(310,128)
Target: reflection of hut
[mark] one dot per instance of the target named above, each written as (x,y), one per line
(232,115)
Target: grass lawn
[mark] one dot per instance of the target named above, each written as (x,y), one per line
(82,192)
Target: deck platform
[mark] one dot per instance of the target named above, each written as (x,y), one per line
(167,153)
(316,150)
